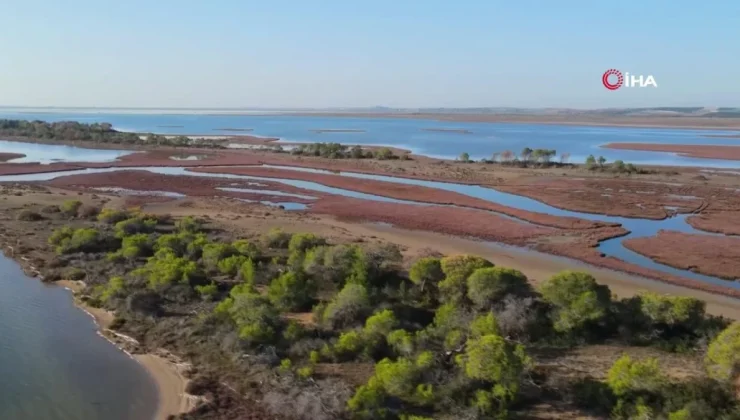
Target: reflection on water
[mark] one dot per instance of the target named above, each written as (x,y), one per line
(53,365)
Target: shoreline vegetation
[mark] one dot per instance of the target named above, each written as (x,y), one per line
(286,325)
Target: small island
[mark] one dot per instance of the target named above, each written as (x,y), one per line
(337,130)
(234,129)
(449,130)
(5,157)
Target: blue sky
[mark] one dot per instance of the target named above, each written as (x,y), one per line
(323,53)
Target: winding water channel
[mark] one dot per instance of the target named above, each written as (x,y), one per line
(612,247)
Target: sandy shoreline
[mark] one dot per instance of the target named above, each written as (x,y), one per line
(167,376)
(704,151)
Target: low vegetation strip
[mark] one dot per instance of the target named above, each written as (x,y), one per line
(288,326)
(690,150)
(707,254)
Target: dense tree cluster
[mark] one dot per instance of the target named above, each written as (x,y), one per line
(450,337)
(96,132)
(341,151)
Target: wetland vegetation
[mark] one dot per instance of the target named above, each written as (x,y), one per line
(296,326)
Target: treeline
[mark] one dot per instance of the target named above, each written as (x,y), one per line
(544,158)
(453,337)
(340,151)
(527,157)
(96,132)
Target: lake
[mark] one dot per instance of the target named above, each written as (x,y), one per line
(482,141)
(49,153)
(54,365)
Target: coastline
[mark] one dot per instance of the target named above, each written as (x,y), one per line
(164,369)
(694,123)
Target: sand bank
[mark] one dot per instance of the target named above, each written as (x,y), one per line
(689,150)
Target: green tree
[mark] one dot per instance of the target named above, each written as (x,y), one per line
(602,161)
(628,375)
(291,291)
(457,269)
(230,265)
(590,161)
(672,311)
(489,285)
(723,355)
(348,306)
(526,154)
(300,242)
(577,300)
(464,157)
(426,271)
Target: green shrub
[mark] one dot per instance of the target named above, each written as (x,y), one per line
(577,298)
(213,253)
(207,291)
(114,288)
(165,268)
(487,286)
(113,216)
(627,375)
(300,242)
(723,355)
(230,266)
(291,291)
(134,226)
(70,207)
(68,240)
(277,238)
(246,248)
(74,273)
(189,224)
(348,306)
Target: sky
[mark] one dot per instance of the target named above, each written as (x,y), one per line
(400,53)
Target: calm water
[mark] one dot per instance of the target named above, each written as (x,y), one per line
(485,139)
(612,247)
(54,366)
(48,153)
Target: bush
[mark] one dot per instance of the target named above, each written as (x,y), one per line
(86,212)
(230,266)
(723,354)
(277,238)
(70,207)
(74,273)
(488,286)
(68,240)
(291,291)
(29,216)
(189,224)
(114,288)
(577,299)
(627,375)
(207,291)
(113,216)
(457,269)
(134,226)
(348,306)
(165,269)
(246,248)
(300,242)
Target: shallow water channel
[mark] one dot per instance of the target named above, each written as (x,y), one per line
(611,247)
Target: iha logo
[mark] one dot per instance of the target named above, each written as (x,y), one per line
(613,80)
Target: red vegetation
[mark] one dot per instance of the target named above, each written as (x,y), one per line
(711,255)
(412,193)
(725,222)
(193,186)
(690,150)
(614,197)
